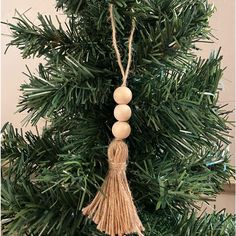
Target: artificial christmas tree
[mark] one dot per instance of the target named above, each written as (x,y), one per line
(178,144)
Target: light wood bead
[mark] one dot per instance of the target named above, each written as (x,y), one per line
(122,95)
(121,130)
(122,112)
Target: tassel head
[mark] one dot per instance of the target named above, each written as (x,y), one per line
(117,155)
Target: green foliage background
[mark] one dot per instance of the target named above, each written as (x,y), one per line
(178,146)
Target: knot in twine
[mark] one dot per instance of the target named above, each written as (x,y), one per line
(118,151)
(117,156)
(118,167)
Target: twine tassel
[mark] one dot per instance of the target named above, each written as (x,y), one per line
(113,209)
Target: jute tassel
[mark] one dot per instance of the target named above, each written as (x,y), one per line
(113,209)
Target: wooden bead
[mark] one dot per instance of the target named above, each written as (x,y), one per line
(121,130)
(122,112)
(122,95)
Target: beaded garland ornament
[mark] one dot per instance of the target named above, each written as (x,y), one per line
(113,209)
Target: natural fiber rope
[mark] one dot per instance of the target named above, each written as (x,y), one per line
(125,72)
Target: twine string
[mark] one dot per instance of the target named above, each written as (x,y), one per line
(124,72)
(118,167)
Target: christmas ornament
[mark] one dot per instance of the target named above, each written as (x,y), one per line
(113,209)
